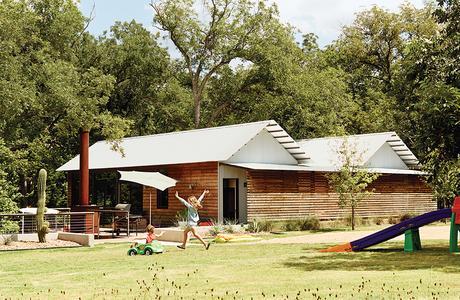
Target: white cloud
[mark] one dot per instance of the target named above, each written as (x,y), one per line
(325,18)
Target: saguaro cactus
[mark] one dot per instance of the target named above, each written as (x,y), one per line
(42,226)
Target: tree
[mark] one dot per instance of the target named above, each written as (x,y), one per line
(8,196)
(371,51)
(232,26)
(46,94)
(283,82)
(147,87)
(352,180)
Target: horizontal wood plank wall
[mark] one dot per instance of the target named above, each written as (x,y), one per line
(193,179)
(289,195)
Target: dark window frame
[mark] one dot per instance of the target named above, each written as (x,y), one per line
(162,199)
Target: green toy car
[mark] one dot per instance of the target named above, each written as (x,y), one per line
(146,249)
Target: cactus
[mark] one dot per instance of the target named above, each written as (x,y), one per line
(42,226)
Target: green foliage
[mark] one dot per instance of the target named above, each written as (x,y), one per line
(253,226)
(42,225)
(308,223)
(47,93)
(8,196)
(291,225)
(406,216)
(266,225)
(216,229)
(232,28)
(181,215)
(256,226)
(351,181)
(444,179)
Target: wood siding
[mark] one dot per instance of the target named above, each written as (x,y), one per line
(288,195)
(193,179)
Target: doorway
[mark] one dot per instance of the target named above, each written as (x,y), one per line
(230,201)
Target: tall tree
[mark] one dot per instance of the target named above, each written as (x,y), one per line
(148,89)
(46,95)
(371,51)
(230,28)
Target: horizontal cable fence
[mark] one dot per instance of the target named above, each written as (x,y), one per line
(64,221)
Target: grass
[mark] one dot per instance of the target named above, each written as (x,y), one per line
(232,271)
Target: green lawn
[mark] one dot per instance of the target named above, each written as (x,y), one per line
(233,272)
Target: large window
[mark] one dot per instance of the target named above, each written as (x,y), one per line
(162,198)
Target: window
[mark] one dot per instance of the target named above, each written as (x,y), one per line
(162,198)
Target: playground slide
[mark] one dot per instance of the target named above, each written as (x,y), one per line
(398,229)
(393,231)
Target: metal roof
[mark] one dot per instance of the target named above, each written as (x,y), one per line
(276,167)
(199,145)
(323,151)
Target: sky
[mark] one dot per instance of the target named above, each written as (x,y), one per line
(325,18)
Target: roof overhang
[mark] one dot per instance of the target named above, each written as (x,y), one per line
(403,151)
(327,169)
(287,141)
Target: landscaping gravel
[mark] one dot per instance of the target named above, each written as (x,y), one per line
(37,245)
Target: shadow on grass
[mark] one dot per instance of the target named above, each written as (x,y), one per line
(435,258)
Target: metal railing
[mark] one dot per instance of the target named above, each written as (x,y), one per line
(66,221)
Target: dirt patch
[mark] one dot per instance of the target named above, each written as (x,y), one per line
(37,245)
(437,232)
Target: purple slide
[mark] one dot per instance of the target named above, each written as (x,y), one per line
(398,229)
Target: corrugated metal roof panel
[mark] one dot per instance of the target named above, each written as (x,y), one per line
(324,151)
(210,144)
(200,145)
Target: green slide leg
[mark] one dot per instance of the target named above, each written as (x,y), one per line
(454,229)
(412,240)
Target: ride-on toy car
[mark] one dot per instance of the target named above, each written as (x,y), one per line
(146,249)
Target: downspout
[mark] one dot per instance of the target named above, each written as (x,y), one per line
(84,167)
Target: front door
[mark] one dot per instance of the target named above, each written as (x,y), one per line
(231,202)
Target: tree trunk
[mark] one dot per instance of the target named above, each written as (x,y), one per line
(352,218)
(197,108)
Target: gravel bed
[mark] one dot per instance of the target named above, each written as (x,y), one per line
(37,245)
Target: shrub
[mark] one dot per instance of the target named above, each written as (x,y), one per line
(215,230)
(7,226)
(253,226)
(260,225)
(266,225)
(291,225)
(6,240)
(181,216)
(393,220)
(309,223)
(379,221)
(229,228)
(348,220)
(406,216)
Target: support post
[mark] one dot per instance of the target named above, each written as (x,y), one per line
(412,241)
(84,167)
(455,226)
(454,229)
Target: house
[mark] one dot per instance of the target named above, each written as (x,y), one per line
(255,170)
